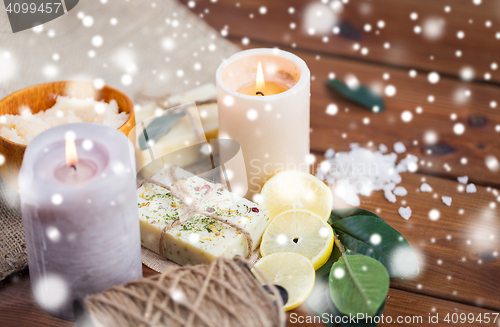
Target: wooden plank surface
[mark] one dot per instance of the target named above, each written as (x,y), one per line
(459,251)
(408,305)
(479,47)
(17,307)
(408,309)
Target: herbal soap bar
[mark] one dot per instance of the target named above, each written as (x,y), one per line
(199,239)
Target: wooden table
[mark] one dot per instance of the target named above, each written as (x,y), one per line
(460,268)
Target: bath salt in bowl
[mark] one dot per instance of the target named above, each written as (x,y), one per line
(24,127)
(25,113)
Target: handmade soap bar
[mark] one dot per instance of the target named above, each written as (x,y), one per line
(200,239)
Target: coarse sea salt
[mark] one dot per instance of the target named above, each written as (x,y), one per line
(446,200)
(329,153)
(471,188)
(425,188)
(23,128)
(390,196)
(405,212)
(463,179)
(361,171)
(388,187)
(400,191)
(399,147)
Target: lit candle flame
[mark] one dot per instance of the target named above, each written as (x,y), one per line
(71,156)
(260,84)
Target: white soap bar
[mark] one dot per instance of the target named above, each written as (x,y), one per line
(200,239)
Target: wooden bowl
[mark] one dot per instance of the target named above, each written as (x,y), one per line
(42,97)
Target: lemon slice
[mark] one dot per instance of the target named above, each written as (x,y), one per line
(296,190)
(299,231)
(292,271)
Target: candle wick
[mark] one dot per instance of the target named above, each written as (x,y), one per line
(73,166)
(259,92)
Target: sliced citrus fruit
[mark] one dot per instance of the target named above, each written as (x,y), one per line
(296,190)
(299,231)
(292,271)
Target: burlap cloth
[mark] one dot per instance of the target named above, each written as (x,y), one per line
(13,255)
(155,48)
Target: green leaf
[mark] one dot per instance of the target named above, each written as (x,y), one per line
(339,214)
(375,238)
(158,128)
(320,302)
(345,320)
(358,284)
(361,95)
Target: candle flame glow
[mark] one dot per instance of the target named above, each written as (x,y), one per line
(260,84)
(71,156)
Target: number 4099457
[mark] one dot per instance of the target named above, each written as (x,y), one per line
(32,8)
(462,318)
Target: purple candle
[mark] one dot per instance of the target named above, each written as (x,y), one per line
(78,195)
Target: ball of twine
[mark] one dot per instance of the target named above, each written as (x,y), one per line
(224,293)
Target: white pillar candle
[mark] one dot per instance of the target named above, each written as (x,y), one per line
(273,128)
(80,217)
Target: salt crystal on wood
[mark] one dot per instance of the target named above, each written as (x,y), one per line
(362,171)
(396,178)
(471,188)
(446,200)
(425,187)
(400,191)
(389,196)
(389,187)
(399,147)
(463,179)
(405,212)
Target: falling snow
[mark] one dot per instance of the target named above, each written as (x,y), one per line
(339,273)
(375,239)
(97,41)
(57,199)
(8,66)
(332,109)
(467,73)
(51,292)
(319,18)
(433,28)
(459,128)
(390,90)
(492,163)
(434,214)
(433,77)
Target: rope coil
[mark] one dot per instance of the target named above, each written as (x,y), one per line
(224,293)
